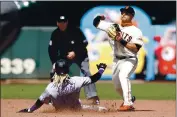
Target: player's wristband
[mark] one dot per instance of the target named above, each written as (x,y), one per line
(123,42)
(101,70)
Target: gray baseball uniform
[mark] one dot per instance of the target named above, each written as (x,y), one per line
(65,95)
(63,92)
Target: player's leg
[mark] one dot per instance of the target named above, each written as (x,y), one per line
(90,90)
(127,67)
(115,77)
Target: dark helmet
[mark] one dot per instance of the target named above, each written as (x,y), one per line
(61,67)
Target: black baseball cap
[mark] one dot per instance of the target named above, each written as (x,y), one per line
(62,18)
(128,9)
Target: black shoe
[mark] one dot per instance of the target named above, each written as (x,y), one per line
(25,111)
(133,99)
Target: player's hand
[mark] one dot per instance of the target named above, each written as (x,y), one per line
(101,66)
(71,55)
(26,110)
(102,17)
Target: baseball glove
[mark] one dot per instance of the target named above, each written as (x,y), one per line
(113,30)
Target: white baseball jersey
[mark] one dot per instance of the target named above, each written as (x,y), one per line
(131,34)
(67,93)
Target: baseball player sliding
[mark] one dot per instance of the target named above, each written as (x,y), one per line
(63,92)
(125,40)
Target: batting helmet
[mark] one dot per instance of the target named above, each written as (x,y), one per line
(61,67)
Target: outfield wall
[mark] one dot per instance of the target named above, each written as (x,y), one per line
(28,56)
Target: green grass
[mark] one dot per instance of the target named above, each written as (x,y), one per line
(149,91)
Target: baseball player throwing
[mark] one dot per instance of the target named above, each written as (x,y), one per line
(125,40)
(64,91)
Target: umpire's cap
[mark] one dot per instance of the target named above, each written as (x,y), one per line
(62,18)
(61,67)
(128,9)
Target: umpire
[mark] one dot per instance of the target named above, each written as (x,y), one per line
(69,43)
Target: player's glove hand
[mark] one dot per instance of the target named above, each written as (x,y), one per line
(113,30)
(101,66)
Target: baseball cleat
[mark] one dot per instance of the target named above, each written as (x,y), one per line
(133,99)
(96,100)
(126,108)
(26,110)
(132,108)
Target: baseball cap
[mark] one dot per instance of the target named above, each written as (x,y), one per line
(128,9)
(62,18)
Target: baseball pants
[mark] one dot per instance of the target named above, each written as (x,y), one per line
(122,70)
(90,90)
(70,101)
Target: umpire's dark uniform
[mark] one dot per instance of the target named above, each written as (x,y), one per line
(72,39)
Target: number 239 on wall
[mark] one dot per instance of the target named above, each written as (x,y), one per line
(17,66)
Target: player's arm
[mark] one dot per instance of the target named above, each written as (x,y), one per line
(101,68)
(99,23)
(131,46)
(83,81)
(36,106)
(44,98)
(52,49)
(134,47)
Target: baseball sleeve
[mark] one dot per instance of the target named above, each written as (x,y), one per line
(104,25)
(45,96)
(81,81)
(138,39)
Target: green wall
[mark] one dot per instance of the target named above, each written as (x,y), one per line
(28,56)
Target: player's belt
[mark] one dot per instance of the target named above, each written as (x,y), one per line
(125,57)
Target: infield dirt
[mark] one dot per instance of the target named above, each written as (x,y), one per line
(144,108)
